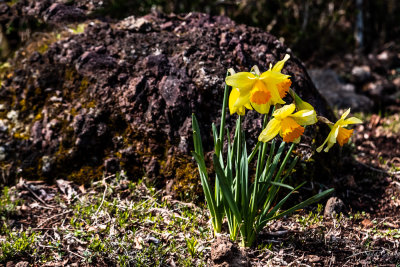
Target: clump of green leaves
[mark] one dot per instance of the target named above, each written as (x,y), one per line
(8,203)
(312,218)
(248,206)
(18,244)
(191,244)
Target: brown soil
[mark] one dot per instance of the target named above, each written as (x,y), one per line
(365,232)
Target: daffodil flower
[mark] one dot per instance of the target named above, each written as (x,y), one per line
(287,124)
(258,91)
(339,133)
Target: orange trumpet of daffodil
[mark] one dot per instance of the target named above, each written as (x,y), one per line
(289,125)
(252,90)
(338,132)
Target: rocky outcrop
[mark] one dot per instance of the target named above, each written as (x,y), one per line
(119,96)
(339,94)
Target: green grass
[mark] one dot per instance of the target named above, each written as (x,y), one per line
(312,218)
(8,203)
(101,227)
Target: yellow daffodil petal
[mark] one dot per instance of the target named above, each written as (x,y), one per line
(328,146)
(275,96)
(233,96)
(352,120)
(273,77)
(335,132)
(271,130)
(331,139)
(284,111)
(279,65)
(248,106)
(242,100)
(244,81)
(345,114)
(319,149)
(305,117)
(262,109)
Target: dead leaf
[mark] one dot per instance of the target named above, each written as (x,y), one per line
(82,189)
(313,258)
(367,223)
(138,242)
(66,188)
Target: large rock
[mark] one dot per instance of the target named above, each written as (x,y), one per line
(339,94)
(120,96)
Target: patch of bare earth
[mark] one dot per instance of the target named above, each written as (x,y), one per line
(361,227)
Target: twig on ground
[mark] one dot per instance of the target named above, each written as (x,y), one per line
(37,197)
(76,254)
(101,203)
(104,179)
(65,212)
(378,170)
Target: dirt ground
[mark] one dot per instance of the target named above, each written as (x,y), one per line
(363,231)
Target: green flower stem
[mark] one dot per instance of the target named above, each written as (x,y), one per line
(223,112)
(253,153)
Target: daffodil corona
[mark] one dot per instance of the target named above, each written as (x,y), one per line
(252,90)
(287,124)
(339,133)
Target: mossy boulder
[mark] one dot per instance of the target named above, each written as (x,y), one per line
(120,95)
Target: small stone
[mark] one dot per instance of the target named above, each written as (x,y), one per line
(226,253)
(2,153)
(396,82)
(383,56)
(22,264)
(313,258)
(12,115)
(166,25)
(152,239)
(361,73)
(62,13)
(349,87)
(333,207)
(374,88)
(3,126)
(46,164)
(139,25)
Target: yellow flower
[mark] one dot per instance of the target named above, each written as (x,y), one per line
(339,133)
(287,124)
(258,91)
